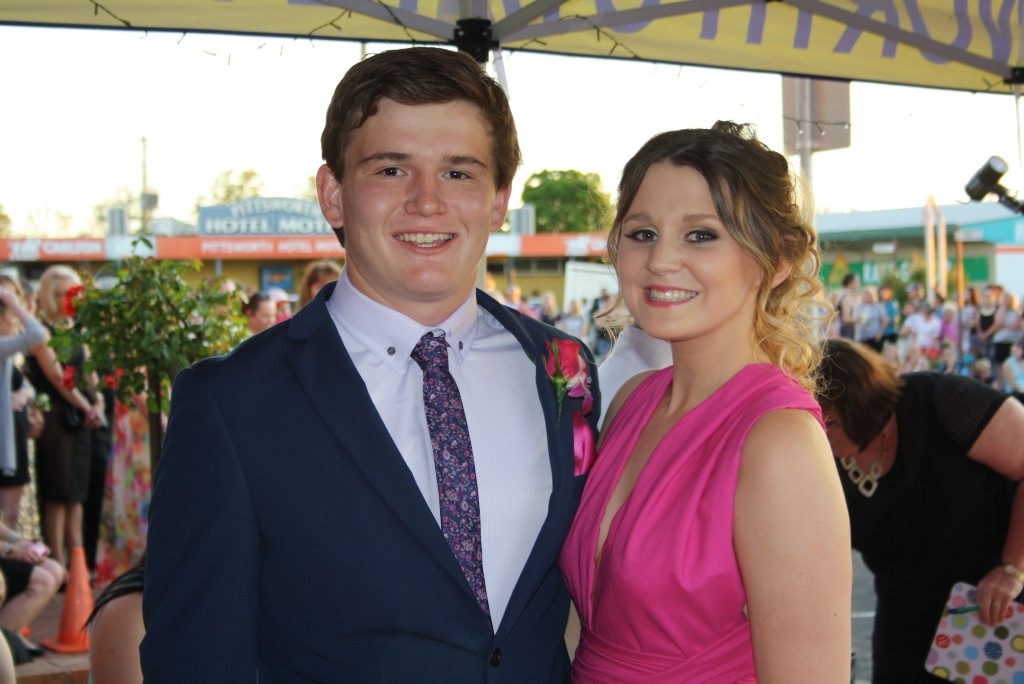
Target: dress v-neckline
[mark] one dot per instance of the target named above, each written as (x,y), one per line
(665,377)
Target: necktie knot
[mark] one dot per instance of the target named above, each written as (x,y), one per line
(431,352)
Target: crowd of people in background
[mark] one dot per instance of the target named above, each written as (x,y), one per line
(982,338)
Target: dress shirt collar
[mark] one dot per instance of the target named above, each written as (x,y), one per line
(391,335)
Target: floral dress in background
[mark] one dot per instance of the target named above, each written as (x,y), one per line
(125,518)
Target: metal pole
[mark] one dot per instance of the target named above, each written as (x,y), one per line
(142,195)
(929,250)
(941,258)
(805,127)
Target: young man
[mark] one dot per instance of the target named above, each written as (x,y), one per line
(337,548)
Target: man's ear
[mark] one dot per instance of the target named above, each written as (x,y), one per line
(781,273)
(501,198)
(328,191)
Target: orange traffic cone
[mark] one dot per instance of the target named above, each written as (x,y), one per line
(74,637)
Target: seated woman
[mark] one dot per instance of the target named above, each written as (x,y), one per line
(31,578)
(117,630)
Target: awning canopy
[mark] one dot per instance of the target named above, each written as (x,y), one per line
(969,45)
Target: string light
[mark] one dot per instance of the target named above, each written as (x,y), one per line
(818,125)
(97,7)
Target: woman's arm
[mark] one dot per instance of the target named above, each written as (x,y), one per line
(33,334)
(53,369)
(1001,447)
(792,538)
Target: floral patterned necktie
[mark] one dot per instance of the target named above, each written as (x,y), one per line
(453,461)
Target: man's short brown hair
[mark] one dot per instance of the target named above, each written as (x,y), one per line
(415,76)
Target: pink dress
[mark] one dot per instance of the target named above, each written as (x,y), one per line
(669,606)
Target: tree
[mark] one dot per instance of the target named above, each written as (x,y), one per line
(5,223)
(228,187)
(310,190)
(568,201)
(146,326)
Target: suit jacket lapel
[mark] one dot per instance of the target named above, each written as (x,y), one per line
(337,392)
(561,507)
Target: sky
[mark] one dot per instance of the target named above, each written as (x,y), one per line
(76,104)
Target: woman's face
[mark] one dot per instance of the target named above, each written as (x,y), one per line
(58,291)
(682,274)
(319,283)
(8,321)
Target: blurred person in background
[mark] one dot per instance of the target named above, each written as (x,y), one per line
(890,333)
(19,332)
(951,361)
(574,321)
(970,339)
(64,449)
(261,312)
(1012,370)
(846,306)
(316,275)
(282,303)
(549,312)
(1007,327)
(872,319)
(991,297)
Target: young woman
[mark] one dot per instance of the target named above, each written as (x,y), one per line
(711,543)
(63,449)
(19,332)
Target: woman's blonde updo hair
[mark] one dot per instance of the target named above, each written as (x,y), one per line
(756,197)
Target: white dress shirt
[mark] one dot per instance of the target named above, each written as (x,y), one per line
(506,422)
(634,352)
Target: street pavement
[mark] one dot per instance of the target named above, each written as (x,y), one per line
(863,618)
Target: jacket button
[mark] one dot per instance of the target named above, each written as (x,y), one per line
(495,658)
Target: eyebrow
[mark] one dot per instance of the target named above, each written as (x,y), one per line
(454,159)
(644,216)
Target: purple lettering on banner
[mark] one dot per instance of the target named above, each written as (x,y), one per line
(755,29)
(1000,34)
(604,6)
(802,37)
(709,25)
(963,33)
(867,8)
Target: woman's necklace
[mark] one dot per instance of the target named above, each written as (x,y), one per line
(866,482)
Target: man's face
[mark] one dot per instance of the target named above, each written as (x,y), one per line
(418,203)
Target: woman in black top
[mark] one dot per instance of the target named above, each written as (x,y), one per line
(930,465)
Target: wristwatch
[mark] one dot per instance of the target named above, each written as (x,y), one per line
(1014,572)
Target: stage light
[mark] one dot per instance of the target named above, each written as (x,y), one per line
(986,180)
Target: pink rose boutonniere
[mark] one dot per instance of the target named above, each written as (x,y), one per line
(567,370)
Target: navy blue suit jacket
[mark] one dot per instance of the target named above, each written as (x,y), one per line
(288,540)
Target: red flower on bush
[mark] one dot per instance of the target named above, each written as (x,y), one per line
(111,380)
(70,305)
(69,377)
